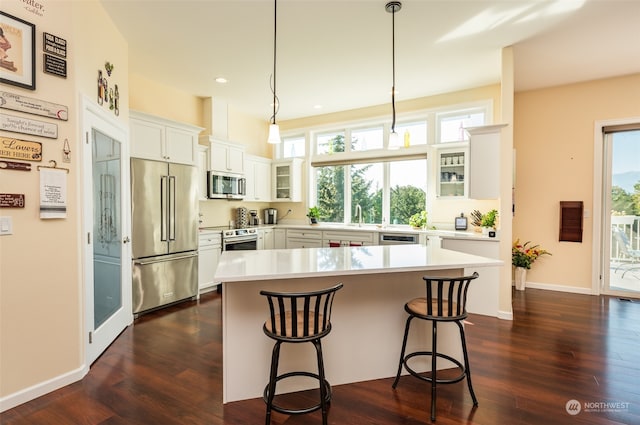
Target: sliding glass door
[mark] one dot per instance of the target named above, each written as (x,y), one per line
(621,217)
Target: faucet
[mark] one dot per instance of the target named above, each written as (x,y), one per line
(359,214)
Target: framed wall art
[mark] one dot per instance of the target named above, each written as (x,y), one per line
(17,52)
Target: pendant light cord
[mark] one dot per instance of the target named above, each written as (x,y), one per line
(393,68)
(273,86)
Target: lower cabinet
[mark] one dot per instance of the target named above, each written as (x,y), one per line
(304,238)
(266,239)
(279,238)
(209,250)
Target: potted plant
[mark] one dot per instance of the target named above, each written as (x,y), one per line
(488,221)
(418,220)
(522,257)
(314,215)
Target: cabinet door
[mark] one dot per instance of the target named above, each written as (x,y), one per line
(147,140)
(235,159)
(262,187)
(203,166)
(269,239)
(218,157)
(286,180)
(484,162)
(181,146)
(250,175)
(452,172)
(279,238)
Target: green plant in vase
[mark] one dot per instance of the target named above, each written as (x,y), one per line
(418,220)
(489,219)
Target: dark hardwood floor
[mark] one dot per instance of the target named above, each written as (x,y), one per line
(166,369)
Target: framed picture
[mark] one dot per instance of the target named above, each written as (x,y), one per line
(17,52)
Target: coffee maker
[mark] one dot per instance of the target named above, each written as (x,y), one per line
(253,218)
(270,216)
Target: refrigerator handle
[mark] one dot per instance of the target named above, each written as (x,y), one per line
(172,208)
(163,208)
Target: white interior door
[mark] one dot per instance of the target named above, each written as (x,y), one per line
(107,254)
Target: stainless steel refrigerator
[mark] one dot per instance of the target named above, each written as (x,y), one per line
(164,242)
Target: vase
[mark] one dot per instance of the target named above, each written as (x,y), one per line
(520,278)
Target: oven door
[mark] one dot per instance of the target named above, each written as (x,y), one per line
(240,244)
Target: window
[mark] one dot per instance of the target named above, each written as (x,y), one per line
(366,191)
(367,139)
(293,147)
(330,193)
(408,187)
(416,132)
(329,143)
(452,125)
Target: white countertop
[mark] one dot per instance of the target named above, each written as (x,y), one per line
(236,266)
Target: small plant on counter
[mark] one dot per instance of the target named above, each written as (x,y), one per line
(418,220)
(489,219)
(313,214)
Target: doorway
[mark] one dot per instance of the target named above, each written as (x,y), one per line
(620,237)
(107,251)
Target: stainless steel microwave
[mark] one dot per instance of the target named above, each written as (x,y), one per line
(225,185)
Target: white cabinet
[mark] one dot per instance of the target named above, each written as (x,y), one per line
(336,239)
(279,238)
(452,177)
(304,238)
(163,140)
(484,163)
(203,166)
(287,180)
(266,239)
(258,175)
(226,157)
(209,250)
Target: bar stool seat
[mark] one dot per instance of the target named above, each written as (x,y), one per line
(297,318)
(445,301)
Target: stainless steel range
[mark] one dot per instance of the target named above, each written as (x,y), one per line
(239,239)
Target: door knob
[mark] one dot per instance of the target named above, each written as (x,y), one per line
(126,239)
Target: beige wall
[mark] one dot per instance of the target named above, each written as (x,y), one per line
(41,290)
(553,138)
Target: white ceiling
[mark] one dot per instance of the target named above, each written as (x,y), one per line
(338,53)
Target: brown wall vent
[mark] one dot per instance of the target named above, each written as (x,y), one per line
(571,213)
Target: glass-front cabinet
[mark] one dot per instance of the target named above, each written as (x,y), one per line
(453,170)
(287,184)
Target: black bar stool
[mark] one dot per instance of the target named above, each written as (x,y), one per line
(446,301)
(298,317)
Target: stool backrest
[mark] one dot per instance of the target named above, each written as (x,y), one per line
(447,297)
(299,315)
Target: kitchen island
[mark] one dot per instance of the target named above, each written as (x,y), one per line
(368,315)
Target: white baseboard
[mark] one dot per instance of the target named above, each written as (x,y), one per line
(505,315)
(42,388)
(559,288)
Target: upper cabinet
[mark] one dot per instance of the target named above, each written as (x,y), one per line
(163,140)
(226,157)
(484,162)
(257,171)
(453,166)
(287,180)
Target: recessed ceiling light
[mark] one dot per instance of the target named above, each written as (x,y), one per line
(221,80)
(317,106)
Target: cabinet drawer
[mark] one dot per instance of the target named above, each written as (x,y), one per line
(366,237)
(293,243)
(210,239)
(306,234)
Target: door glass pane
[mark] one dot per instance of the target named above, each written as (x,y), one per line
(625,211)
(408,183)
(366,191)
(107,258)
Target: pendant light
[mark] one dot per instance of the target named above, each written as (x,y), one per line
(392,7)
(274,129)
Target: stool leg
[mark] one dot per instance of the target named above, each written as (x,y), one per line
(404,346)
(434,351)
(466,363)
(275,357)
(323,388)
